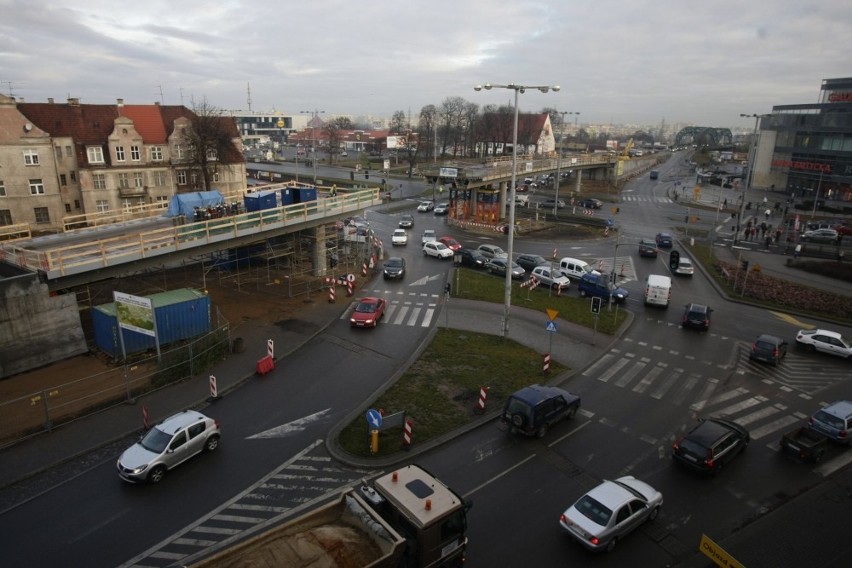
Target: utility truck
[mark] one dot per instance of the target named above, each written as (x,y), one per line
(406,518)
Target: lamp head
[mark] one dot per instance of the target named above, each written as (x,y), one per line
(477,88)
(487,86)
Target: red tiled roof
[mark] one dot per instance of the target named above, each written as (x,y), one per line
(147,121)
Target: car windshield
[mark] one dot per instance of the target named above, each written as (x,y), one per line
(826,418)
(497,250)
(765,345)
(393,262)
(594,510)
(693,448)
(366,307)
(155,441)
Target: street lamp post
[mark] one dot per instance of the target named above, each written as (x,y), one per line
(752,154)
(510,195)
(314,114)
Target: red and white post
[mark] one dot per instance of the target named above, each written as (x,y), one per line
(406,434)
(214,391)
(270,348)
(145,423)
(483,397)
(546,367)
(331,294)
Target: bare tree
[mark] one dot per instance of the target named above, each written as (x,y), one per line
(210,137)
(427,130)
(332,130)
(398,123)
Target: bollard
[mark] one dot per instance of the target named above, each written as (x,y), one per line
(364,268)
(546,368)
(331,295)
(554,252)
(270,348)
(374,442)
(406,435)
(214,392)
(480,404)
(145,417)
(349,288)
(622,269)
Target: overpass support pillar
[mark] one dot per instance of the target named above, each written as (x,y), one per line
(319,256)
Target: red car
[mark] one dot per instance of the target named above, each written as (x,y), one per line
(368,312)
(450,243)
(845,230)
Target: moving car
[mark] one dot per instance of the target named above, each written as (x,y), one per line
(530,261)
(825,341)
(575,268)
(534,409)
(658,290)
(594,284)
(167,445)
(428,236)
(498,266)
(697,316)
(394,268)
(590,203)
(442,209)
(425,206)
(492,251)
(399,237)
(663,240)
(684,267)
(450,243)
(711,444)
(406,221)
(820,236)
(550,277)
(472,257)
(834,421)
(611,511)
(368,312)
(769,349)
(551,203)
(438,250)
(648,247)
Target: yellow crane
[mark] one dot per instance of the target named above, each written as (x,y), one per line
(625,154)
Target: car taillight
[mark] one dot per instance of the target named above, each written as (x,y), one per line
(754,346)
(676,445)
(709,460)
(563,518)
(594,540)
(706,323)
(842,433)
(775,352)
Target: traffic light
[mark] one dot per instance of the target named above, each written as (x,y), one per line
(744,265)
(674,259)
(596,305)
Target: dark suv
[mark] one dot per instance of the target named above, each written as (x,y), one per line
(594,284)
(697,316)
(714,442)
(533,409)
(769,349)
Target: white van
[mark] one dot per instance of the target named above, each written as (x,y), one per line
(574,268)
(658,290)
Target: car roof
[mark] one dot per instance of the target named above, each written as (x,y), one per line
(179,421)
(697,307)
(709,431)
(769,338)
(535,394)
(827,332)
(840,408)
(611,495)
(395,259)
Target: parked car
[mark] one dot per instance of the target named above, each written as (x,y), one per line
(394,268)
(406,221)
(551,203)
(550,277)
(472,257)
(769,349)
(697,316)
(594,284)
(492,251)
(590,203)
(825,341)
(575,268)
(663,240)
(710,445)
(522,200)
(437,250)
(684,267)
(368,312)
(425,206)
(534,409)
(843,229)
(499,266)
(167,445)
(442,209)
(611,511)
(450,243)
(820,236)
(648,247)
(530,261)
(399,237)
(834,421)
(428,236)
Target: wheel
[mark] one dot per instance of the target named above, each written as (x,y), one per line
(157,474)
(611,545)
(654,513)
(818,456)
(518,420)
(812,348)
(542,431)
(572,412)
(211,444)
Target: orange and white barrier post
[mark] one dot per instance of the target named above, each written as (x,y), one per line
(546,368)
(483,397)
(364,268)
(406,434)
(214,392)
(270,348)
(145,417)
(331,293)
(349,288)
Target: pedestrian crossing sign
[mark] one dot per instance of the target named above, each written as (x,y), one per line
(551,326)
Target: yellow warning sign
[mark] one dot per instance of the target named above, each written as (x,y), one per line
(551,314)
(715,553)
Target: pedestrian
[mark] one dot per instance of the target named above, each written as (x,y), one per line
(797,251)
(777,234)
(725,203)
(768,242)
(764,200)
(768,213)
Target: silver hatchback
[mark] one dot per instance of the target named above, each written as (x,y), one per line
(167,445)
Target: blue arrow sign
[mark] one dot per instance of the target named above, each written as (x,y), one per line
(374,418)
(551,326)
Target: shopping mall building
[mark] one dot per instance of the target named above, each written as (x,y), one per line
(806,149)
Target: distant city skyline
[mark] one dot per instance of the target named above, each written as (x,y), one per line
(638,63)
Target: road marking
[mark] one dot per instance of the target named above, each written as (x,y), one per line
(771,427)
(649,378)
(298,425)
(498,476)
(557,440)
(401,317)
(427,319)
(632,372)
(790,319)
(831,466)
(613,370)
(413,319)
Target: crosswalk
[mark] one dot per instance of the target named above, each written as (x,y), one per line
(407,309)
(797,371)
(625,270)
(645,199)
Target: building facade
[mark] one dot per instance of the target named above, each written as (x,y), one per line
(63,160)
(806,150)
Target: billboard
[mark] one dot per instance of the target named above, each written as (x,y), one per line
(135,313)
(396,142)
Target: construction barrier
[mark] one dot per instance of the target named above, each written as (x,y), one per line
(270,348)
(264,365)
(349,288)
(331,294)
(554,253)
(480,404)
(364,269)
(145,417)
(546,368)
(214,392)
(406,434)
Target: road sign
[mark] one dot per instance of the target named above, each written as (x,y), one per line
(551,326)
(374,419)
(551,314)
(716,553)
(448,172)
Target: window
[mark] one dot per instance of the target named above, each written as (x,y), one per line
(162,201)
(99,181)
(63,180)
(2,188)
(42,215)
(196,429)
(119,153)
(156,154)
(73,176)
(102,206)
(5,217)
(159,179)
(194,177)
(212,155)
(181,177)
(36,187)
(123,181)
(30,157)
(135,154)
(216,177)
(179,152)
(58,150)
(68,208)
(138,179)
(76,204)
(69,152)
(95,154)
(178,440)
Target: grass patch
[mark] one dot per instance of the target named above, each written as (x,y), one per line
(439,392)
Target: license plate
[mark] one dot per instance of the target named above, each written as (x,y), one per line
(693,459)
(794,447)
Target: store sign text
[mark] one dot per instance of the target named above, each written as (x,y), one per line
(840,97)
(796,165)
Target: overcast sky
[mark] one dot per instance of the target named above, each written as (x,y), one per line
(619,61)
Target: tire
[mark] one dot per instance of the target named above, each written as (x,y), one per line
(518,420)
(654,513)
(211,444)
(572,412)
(812,348)
(818,456)
(611,544)
(157,474)
(541,432)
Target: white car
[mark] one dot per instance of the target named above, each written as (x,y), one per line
(825,341)
(438,250)
(684,267)
(425,206)
(492,251)
(610,512)
(552,278)
(399,237)
(428,236)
